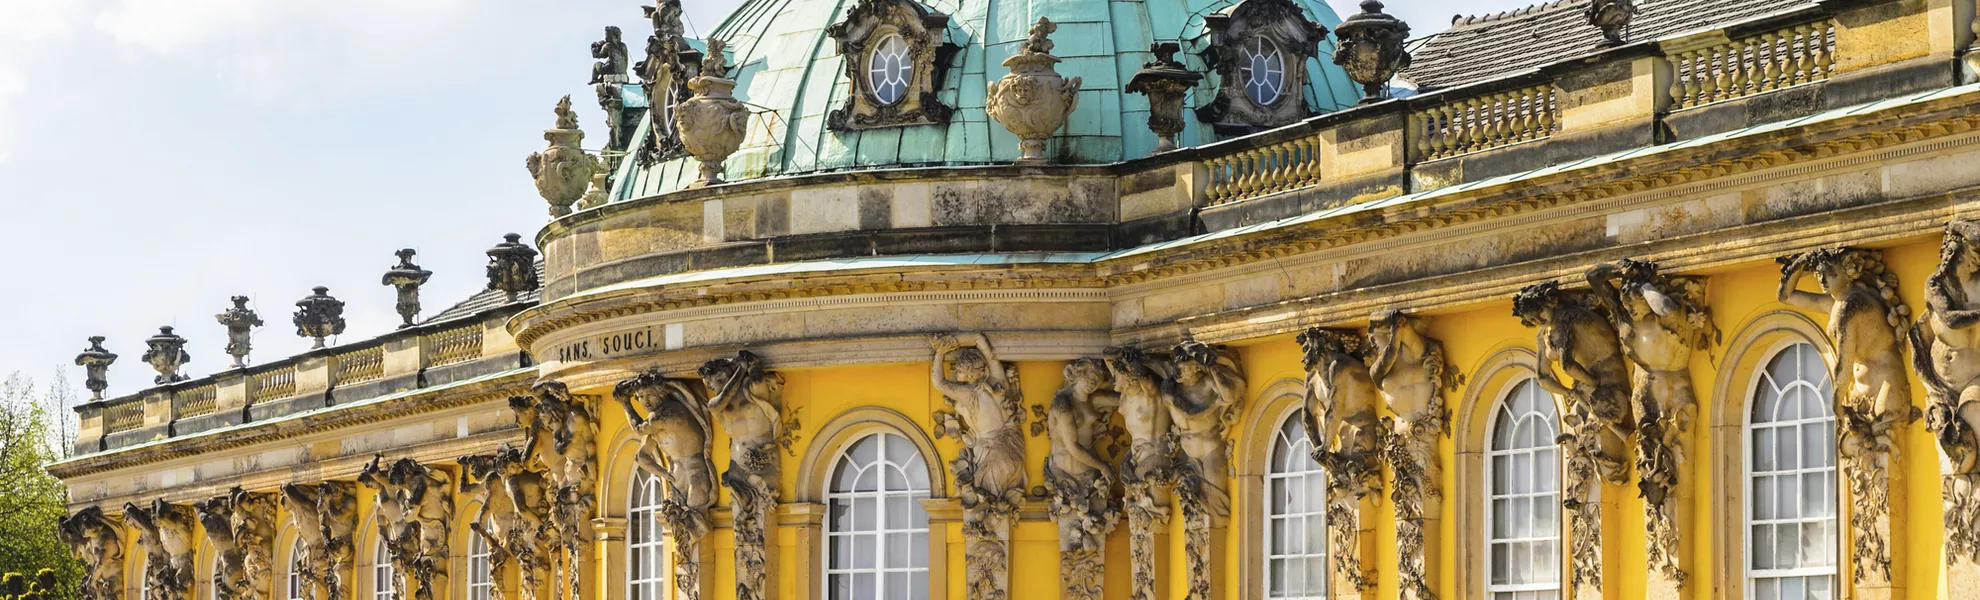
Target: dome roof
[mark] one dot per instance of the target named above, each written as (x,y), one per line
(790,73)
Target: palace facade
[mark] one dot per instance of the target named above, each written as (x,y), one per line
(1142,299)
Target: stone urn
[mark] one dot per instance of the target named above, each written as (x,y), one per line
(1033,101)
(1371,49)
(1164,80)
(711,123)
(562,171)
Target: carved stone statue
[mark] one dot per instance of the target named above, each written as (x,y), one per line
(389,509)
(1164,80)
(1139,379)
(1945,349)
(1033,101)
(563,170)
(676,443)
(166,352)
(611,55)
(238,320)
(95,540)
(95,361)
(325,518)
(1873,396)
(512,266)
(1207,385)
(421,504)
(165,532)
(989,470)
(513,507)
(1371,49)
(319,316)
(713,122)
(1410,370)
(561,437)
(252,521)
(663,76)
(216,518)
(406,278)
(1343,426)
(1575,333)
(748,403)
(1660,320)
(1079,480)
(1611,16)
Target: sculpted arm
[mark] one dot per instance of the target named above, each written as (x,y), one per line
(950,389)
(995,367)
(1790,279)
(1601,282)
(1543,367)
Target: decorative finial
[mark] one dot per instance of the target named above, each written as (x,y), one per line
(238,320)
(1033,101)
(166,353)
(319,316)
(95,362)
(611,55)
(1371,49)
(1164,80)
(407,277)
(1611,16)
(561,170)
(512,266)
(712,123)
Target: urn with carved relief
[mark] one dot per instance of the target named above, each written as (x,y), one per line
(713,122)
(1371,48)
(95,362)
(1033,101)
(1165,81)
(319,316)
(562,171)
(239,321)
(166,352)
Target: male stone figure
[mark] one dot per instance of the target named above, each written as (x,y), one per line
(1660,320)
(253,523)
(1574,333)
(325,516)
(676,443)
(389,510)
(1873,397)
(748,402)
(1410,370)
(1138,378)
(94,539)
(611,55)
(497,522)
(1079,480)
(1207,386)
(989,470)
(229,573)
(1345,433)
(1945,349)
(561,432)
(165,531)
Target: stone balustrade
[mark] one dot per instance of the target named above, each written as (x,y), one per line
(1755,64)
(1264,170)
(361,365)
(196,401)
(1486,121)
(123,415)
(450,346)
(274,384)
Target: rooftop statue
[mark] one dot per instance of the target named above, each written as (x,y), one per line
(1611,16)
(319,316)
(166,352)
(512,267)
(611,55)
(712,123)
(239,321)
(1033,101)
(1164,80)
(1371,49)
(95,361)
(406,278)
(563,170)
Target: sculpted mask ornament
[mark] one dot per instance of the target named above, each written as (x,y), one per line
(1410,370)
(1165,81)
(95,362)
(1660,320)
(1033,101)
(1371,49)
(1945,349)
(748,403)
(676,443)
(1873,396)
(1079,480)
(95,540)
(895,58)
(239,320)
(561,437)
(406,278)
(1259,50)
(713,122)
(563,170)
(989,470)
(1343,426)
(166,352)
(1611,16)
(319,316)
(165,532)
(512,266)
(1139,380)
(1207,385)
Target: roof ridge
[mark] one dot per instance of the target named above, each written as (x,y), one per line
(1465,20)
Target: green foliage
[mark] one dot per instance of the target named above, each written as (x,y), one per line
(31,500)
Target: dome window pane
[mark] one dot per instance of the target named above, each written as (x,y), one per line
(1263,69)
(887,70)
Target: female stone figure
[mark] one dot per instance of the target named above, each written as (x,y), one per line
(428,496)
(748,402)
(1409,369)
(1945,349)
(165,531)
(1138,379)
(93,539)
(989,470)
(312,539)
(496,523)
(253,523)
(1080,481)
(1873,397)
(1343,428)
(676,444)
(389,509)
(561,433)
(1206,386)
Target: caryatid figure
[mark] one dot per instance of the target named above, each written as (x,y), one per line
(1945,349)
(96,541)
(676,442)
(1207,385)
(428,497)
(561,435)
(1873,396)
(389,510)
(989,470)
(253,524)
(497,521)
(1079,480)
(166,534)
(1139,379)
(1410,370)
(1344,429)
(748,403)
(229,573)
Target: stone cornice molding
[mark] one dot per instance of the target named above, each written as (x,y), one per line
(811,353)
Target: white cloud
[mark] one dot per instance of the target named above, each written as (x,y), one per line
(29,30)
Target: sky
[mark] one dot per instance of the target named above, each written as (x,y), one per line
(159,156)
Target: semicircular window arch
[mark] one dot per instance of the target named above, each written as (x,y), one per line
(876,531)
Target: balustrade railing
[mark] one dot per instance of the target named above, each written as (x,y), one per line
(1486,121)
(195,401)
(449,346)
(1263,170)
(126,415)
(275,384)
(359,366)
(1756,64)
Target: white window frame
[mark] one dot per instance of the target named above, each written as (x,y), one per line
(481,571)
(1300,446)
(295,588)
(906,75)
(643,502)
(1500,408)
(1259,46)
(381,571)
(1749,577)
(917,576)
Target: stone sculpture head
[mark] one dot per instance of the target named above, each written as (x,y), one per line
(1194,359)
(1320,343)
(1088,375)
(969,365)
(1535,304)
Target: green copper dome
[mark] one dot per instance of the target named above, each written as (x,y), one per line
(791,74)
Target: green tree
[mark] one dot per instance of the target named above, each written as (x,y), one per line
(32,501)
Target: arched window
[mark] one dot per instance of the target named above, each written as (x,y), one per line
(644,540)
(1791,535)
(1523,475)
(1263,68)
(888,69)
(1296,514)
(381,572)
(296,591)
(481,580)
(876,531)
